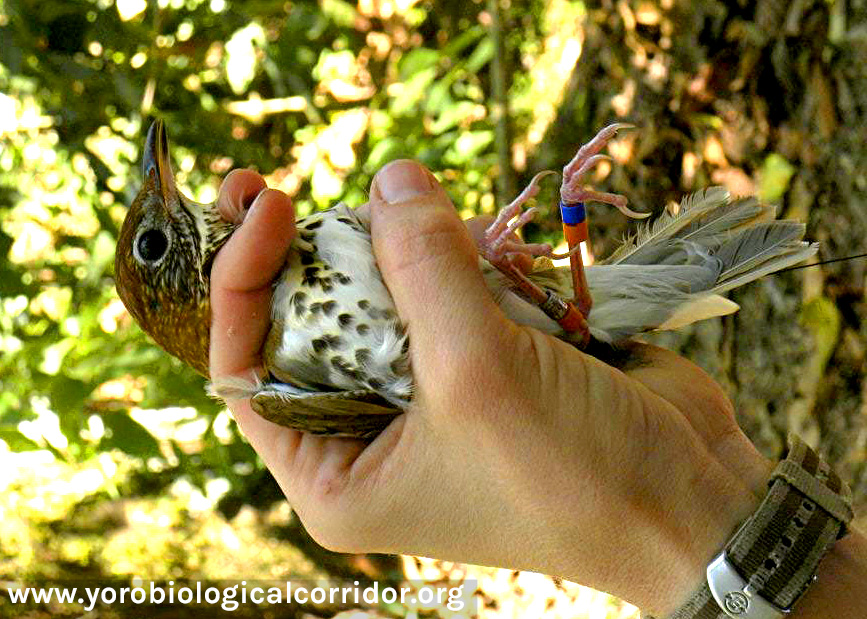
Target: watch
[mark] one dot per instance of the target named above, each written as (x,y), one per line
(769,563)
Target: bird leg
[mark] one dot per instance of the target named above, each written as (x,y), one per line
(573,195)
(498,242)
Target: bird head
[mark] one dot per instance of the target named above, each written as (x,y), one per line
(163,260)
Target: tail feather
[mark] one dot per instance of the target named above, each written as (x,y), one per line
(672,271)
(782,260)
(715,226)
(668,225)
(708,218)
(762,243)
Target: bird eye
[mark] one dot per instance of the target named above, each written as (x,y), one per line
(152,245)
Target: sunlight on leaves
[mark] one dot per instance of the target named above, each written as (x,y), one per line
(129,9)
(241,56)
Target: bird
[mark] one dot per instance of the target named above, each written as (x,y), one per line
(337,357)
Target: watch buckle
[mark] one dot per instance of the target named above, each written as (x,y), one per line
(735,596)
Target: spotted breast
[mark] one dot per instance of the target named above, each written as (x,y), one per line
(334,322)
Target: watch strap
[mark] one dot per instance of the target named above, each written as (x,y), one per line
(776,552)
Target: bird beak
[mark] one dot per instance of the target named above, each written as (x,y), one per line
(156,161)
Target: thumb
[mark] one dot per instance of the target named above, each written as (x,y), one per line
(430,265)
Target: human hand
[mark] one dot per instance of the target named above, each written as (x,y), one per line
(518,451)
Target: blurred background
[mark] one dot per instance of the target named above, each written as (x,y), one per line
(115,463)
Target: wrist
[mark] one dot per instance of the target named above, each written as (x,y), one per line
(839,587)
(703,520)
(770,563)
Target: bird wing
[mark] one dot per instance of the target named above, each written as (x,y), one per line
(358,413)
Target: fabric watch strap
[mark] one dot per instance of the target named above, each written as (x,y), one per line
(769,563)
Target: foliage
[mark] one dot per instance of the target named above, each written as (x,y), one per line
(321,95)
(762,97)
(318,95)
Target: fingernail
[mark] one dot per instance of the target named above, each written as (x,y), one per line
(401,180)
(252,207)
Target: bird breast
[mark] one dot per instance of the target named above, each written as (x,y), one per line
(334,324)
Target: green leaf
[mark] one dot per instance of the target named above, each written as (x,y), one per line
(823,320)
(385,150)
(468,37)
(481,56)
(341,13)
(17,441)
(468,146)
(67,398)
(774,177)
(416,61)
(452,116)
(413,91)
(438,99)
(129,436)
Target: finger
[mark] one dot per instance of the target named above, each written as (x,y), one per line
(476,226)
(363,213)
(241,282)
(239,189)
(430,263)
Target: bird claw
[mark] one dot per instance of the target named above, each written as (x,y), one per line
(498,239)
(591,148)
(588,157)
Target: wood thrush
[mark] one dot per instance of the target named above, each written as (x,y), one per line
(337,355)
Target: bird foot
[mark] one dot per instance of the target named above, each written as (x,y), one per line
(499,240)
(572,191)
